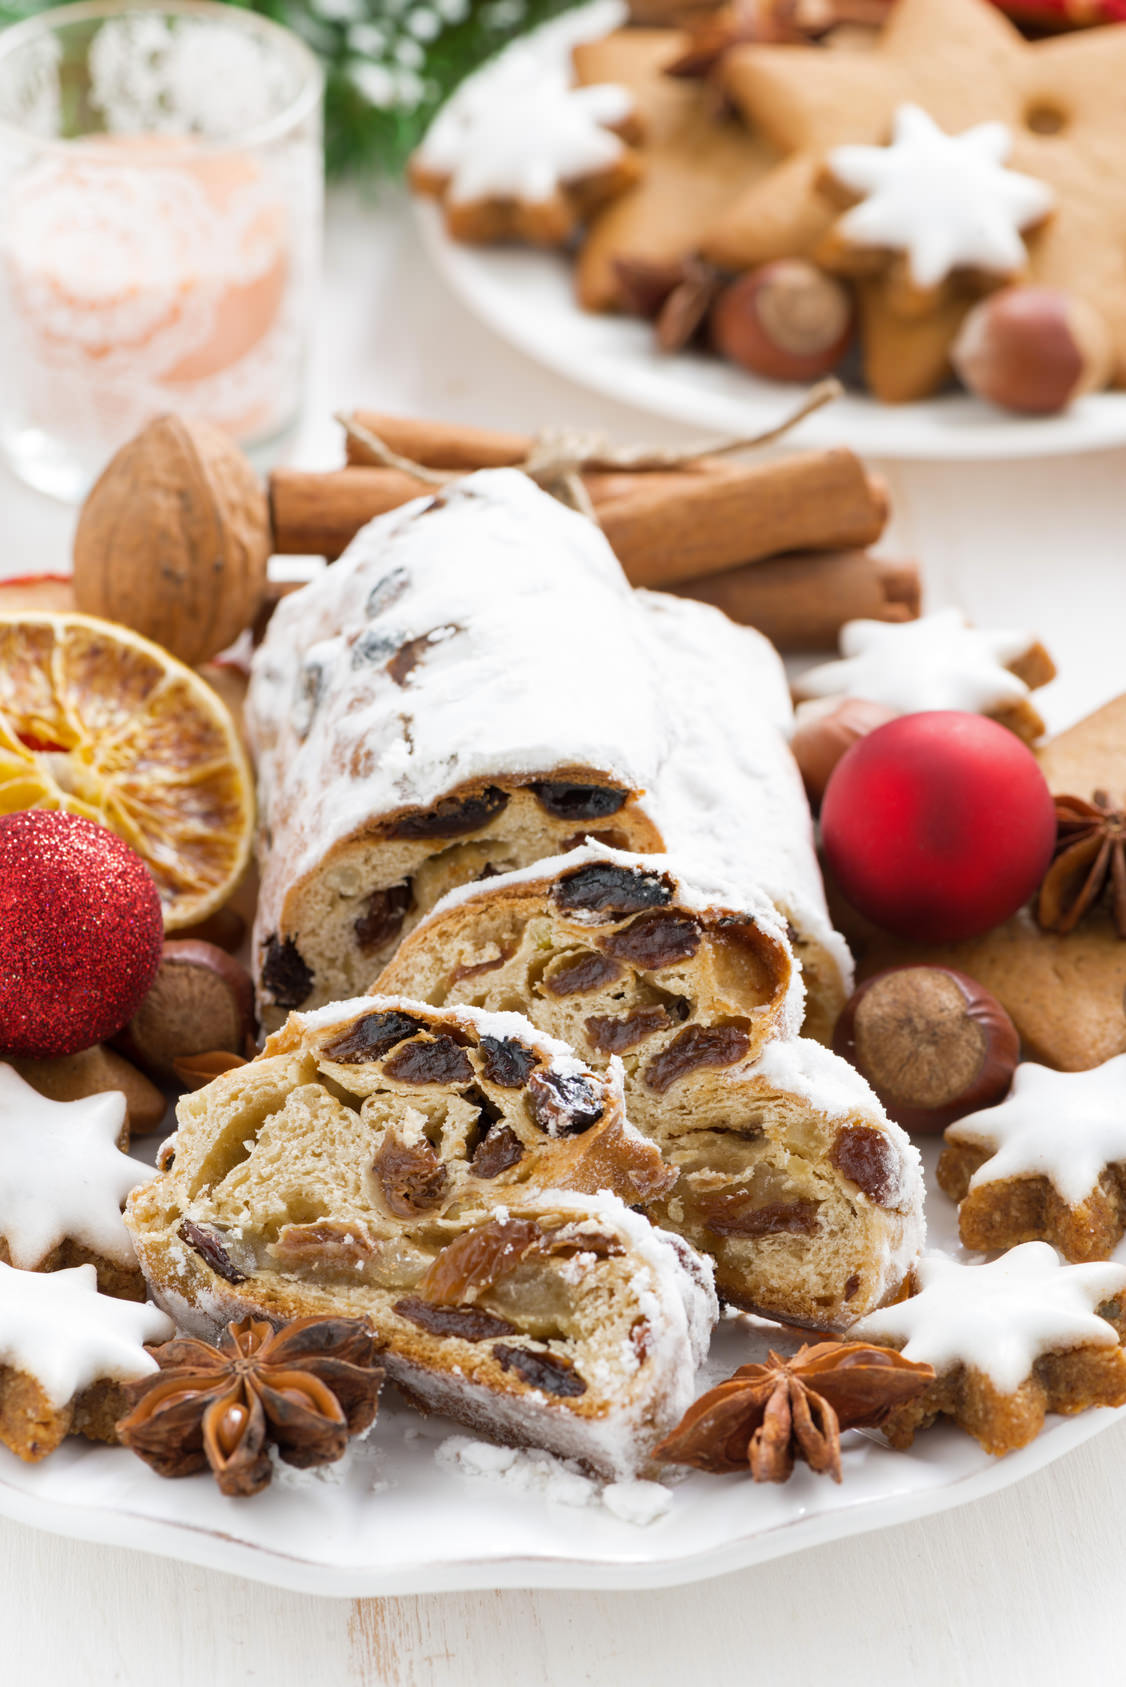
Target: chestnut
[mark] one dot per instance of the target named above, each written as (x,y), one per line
(787,320)
(201,1001)
(824,730)
(1033,349)
(932,1042)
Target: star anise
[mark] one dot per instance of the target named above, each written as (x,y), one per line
(1090,859)
(765,1416)
(306,1387)
(676,296)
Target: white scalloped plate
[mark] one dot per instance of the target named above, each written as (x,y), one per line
(390,1520)
(526,297)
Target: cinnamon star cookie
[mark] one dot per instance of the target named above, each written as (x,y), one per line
(963,64)
(1049,1162)
(1010,1341)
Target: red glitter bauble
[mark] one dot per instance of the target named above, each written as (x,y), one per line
(80,933)
(938,826)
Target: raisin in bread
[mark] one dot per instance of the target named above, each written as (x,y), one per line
(432,1172)
(792,1177)
(473,687)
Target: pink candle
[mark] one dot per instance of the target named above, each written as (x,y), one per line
(153,271)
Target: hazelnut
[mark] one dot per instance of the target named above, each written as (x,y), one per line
(932,1042)
(1033,349)
(786,320)
(825,730)
(174,539)
(200,1002)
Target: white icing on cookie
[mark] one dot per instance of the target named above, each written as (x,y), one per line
(1001,1317)
(946,201)
(62,1174)
(526,138)
(57,1328)
(1065,1126)
(936,662)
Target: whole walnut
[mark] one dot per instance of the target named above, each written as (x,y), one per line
(174,539)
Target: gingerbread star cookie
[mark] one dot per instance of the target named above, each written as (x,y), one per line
(1063,989)
(933,204)
(963,64)
(936,662)
(1048,1162)
(63,1181)
(696,159)
(1009,1341)
(526,157)
(65,1350)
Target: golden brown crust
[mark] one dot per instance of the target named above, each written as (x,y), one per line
(1065,1382)
(32,1427)
(125,1282)
(1001,1214)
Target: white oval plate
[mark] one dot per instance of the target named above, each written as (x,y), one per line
(527,298)
(389,1519)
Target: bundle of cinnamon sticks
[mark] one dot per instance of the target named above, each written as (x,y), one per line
(779,543)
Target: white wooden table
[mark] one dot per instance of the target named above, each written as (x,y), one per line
(1025,1587)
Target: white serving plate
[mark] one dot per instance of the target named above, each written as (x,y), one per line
(527,298)
(389,1519)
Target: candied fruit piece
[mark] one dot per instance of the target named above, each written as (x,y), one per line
(549,1372)
(616,1036)
(372,1036)
(453,816)
(429,1060)
(653,941)
(736,1212)
(477,1259)
(507,1063)
(866,1157)
(604,888)
(696,1046)
(578,974)
(578,802)
(468,1322)
(410,1176)
(383,917)
(564,1103)
(285,973)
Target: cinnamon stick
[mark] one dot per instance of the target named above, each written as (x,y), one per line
(802,600)
(689,525)
(439,445)
(320,514)
(666,526)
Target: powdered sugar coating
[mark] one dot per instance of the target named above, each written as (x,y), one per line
(936,662)
(547,659)
(57,1328)
(999,1318)
(1064,1126)
(62,1174)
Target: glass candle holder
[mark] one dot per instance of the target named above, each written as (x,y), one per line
(161,176)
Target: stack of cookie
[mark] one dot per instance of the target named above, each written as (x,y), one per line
(934,188)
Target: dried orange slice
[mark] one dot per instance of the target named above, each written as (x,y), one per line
(99,721)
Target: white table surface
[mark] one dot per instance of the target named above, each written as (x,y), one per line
(1023,1588)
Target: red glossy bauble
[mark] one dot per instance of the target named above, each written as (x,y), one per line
(938,826)
(80,933)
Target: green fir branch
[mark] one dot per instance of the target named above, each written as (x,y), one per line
(389,64)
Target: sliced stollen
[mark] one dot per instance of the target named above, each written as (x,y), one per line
(792,1177)
(446,1174)
(474,686)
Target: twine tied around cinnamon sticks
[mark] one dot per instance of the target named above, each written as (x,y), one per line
(557,457)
